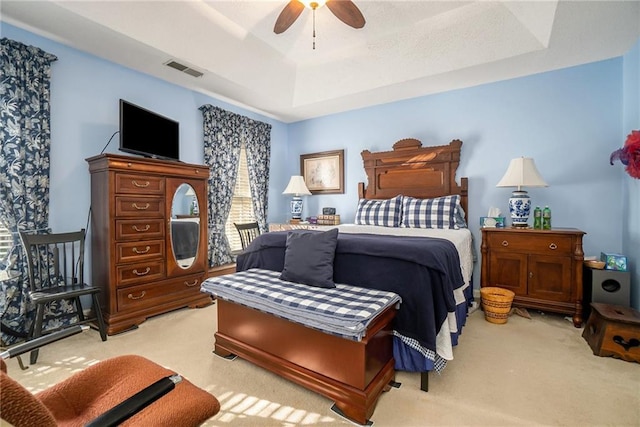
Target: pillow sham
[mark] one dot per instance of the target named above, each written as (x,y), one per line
(440,212)
(308,257)
(386,213)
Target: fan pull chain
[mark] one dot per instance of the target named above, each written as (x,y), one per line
(314,26)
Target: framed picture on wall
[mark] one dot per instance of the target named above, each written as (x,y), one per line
(323,172)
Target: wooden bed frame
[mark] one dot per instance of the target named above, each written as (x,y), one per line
(416,171)
(413,170)
(351,373)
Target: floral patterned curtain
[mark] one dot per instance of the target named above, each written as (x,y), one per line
(221,154)
(224,133)
(257,139)
(25,73)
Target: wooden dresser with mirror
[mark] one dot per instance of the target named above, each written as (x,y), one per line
(148,237)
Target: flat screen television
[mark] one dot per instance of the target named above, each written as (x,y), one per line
(147,133)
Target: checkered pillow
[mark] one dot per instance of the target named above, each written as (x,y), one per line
(441,212)
(386,213)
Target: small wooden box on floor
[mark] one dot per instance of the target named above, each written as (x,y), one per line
(614,330)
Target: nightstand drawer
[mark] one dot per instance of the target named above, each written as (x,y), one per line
(538,244)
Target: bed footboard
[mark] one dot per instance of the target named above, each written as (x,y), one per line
(351,373)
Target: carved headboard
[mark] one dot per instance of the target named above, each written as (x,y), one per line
(413,170)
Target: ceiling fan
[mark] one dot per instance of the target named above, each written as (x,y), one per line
(344,10)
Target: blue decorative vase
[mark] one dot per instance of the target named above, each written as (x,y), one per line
(296,207)
(519,207)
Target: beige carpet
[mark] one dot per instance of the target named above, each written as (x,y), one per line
(526,372)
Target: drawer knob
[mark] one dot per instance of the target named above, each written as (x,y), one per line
(140,208)
(144,273)
(140,230)
(190,285)
(142,294)
(553,246)
(505,243)
(137,184)
(138,251)
(531,275)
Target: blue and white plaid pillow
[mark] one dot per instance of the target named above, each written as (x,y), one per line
(386,213)
(440,212)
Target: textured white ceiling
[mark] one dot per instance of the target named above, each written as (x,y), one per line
(406,49)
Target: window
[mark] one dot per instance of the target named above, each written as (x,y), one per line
(241,206)
(6,242)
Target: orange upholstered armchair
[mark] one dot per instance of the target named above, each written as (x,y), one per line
(125,390)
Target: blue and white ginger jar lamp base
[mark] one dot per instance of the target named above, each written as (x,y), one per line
(519,208)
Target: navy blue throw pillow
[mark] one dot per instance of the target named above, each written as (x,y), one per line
(308,257)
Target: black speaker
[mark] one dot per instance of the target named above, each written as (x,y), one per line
(606,286)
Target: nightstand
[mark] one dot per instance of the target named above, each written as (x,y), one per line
(542,267)
(285,227)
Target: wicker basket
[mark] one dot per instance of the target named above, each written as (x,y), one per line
(496,303)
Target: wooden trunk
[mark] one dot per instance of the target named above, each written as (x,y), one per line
(614,330)
(352,373)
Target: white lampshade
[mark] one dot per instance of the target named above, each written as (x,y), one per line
(522,172)
(297,187)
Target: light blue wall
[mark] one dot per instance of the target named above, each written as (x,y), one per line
(85,93)
(568,120)
(631,187)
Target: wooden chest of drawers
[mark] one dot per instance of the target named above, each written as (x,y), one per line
(542,267)
(131,243)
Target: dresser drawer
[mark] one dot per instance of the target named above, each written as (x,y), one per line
(139,206)
(139,251)
(544,244)
(140,272)
(139,229)
(139,184)
(152,294)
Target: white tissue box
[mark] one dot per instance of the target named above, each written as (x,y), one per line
(492,221)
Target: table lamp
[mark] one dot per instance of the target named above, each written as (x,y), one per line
(297,188)
(522,172)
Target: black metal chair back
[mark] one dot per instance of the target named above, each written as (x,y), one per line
(56,273)
(248,231)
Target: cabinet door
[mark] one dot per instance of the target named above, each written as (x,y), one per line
(508,270)
(550,278)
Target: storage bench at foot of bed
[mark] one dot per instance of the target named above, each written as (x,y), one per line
(351,373)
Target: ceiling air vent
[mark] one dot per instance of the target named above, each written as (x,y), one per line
(185,69)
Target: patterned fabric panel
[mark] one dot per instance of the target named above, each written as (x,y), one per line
(430,213)
(385,213)
(345,310)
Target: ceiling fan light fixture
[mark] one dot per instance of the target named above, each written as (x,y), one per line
(313,4)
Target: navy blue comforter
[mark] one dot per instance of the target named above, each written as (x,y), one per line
(423,271)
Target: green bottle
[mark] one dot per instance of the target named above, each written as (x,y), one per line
(546,218)
(537,218)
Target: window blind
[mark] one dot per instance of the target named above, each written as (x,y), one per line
(6,241)
(241,207)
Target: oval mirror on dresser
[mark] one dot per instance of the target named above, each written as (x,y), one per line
(185,225)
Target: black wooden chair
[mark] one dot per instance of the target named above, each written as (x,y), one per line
(56,273)
(248,231)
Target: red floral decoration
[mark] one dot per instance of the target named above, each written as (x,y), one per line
(629,154)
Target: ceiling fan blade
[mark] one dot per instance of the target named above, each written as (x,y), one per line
(347,12)
(288,16)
